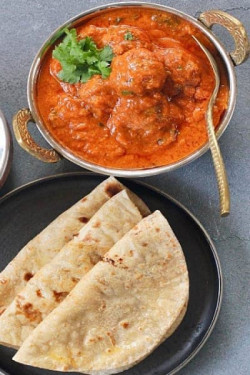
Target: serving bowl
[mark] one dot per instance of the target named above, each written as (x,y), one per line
(203,24)
(5,149)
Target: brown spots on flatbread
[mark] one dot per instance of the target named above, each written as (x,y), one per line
(109,260)
(39,293)
(157,230)
(115,263)
(83,219)
(113,189)
(144,244)
(3,281)
(102,306)
(75,279)
(97,224)
(59,296)
(112,339)
(131,253)
(28,276)
(95,339)
(2,309)
(102,281)
(84,199)
(75,234)
(27,309)
(125,325)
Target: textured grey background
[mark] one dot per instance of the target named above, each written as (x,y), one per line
(24,26)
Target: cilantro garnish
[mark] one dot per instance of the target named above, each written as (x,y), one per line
(81,59)
(128,36)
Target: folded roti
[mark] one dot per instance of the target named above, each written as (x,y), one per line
(53,282)
(42,248)
(120,311)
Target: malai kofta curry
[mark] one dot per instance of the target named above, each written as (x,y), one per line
(129,89)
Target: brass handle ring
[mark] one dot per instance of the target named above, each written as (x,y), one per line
(235,28)
(23,137)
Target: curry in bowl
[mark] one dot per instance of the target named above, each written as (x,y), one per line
(129,89)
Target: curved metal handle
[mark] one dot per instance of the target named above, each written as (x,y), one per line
(235,28)
(23,137)
(219,166)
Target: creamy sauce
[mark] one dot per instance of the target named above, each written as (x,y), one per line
(150,111)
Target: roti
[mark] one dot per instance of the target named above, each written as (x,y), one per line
(42,248)
(121,310)
(53,282)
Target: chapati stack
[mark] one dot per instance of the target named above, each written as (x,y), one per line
(108,283)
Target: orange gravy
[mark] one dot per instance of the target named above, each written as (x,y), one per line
(150,110)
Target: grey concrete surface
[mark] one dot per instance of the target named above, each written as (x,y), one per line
(24,25)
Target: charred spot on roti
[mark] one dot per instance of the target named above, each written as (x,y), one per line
(3,281)
(39,293)
(59,296)
(115,263)
(84,199)
(109,260)
(157,230)
(83,219)
(27,309)
(75,279)
(125,325)
(144,244)
(28,276)
(2,309)
(113,189)
(131,253)
(75,234)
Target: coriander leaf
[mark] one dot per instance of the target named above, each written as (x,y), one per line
(85,75)
(104,68)
(106,54)
(81,59)
(128,36)
(91,59)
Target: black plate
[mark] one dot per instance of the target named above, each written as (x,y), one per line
(27,210)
